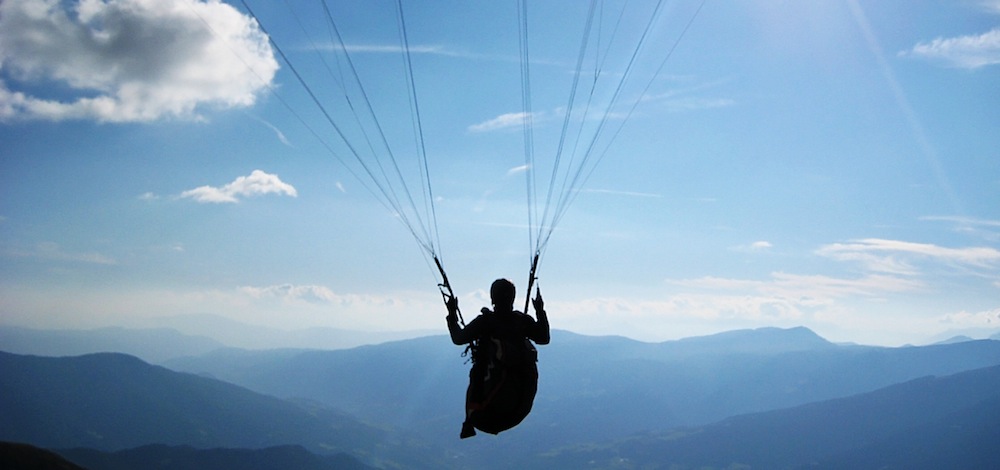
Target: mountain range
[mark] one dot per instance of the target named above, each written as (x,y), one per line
(766,398)
(418,385)
(112,402)
(185,335)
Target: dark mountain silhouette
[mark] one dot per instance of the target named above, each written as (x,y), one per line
(15,456)
(113,401)
(164,457)
(926,423)
(151,345)
(592,388)
(602,390)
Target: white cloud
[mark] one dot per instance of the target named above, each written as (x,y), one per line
(294,293)
(965,221)
(502,122)
(986,318)
(969,52)
(128,60)
(892,256)
(518,170)
(257,183)
(688,99)
(395,49)
(806,289)
(755,247)
(984,228)
(277,132)
(712,304)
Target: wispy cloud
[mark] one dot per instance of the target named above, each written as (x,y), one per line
(277,132)
(517,170)
(692,97)
(968,52)
(893,256)
(965,221)
(429,49)
(257,183)
(985,318)
(314,294)
(754,247)
(782,299)
(986,229)
(129,60)
(503,122)
(51,251)
(807,289)
(991,6)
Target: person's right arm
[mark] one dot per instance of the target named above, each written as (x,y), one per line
(539,330)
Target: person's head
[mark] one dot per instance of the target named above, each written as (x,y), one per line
(502,293)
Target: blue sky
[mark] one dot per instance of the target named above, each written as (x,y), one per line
(833,164)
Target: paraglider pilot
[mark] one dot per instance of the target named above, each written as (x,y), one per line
(504,375)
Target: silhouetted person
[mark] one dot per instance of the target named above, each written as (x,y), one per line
(504,376)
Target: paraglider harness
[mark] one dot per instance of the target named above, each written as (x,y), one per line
(503,378)
(502,381)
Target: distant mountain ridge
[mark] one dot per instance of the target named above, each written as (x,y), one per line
(591,387)
(112,402)
(926,423)
(183,336)
(600,392)
(152,345)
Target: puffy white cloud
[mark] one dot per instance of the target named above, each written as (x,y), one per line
(257,183)
(128,60)
(970,52)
